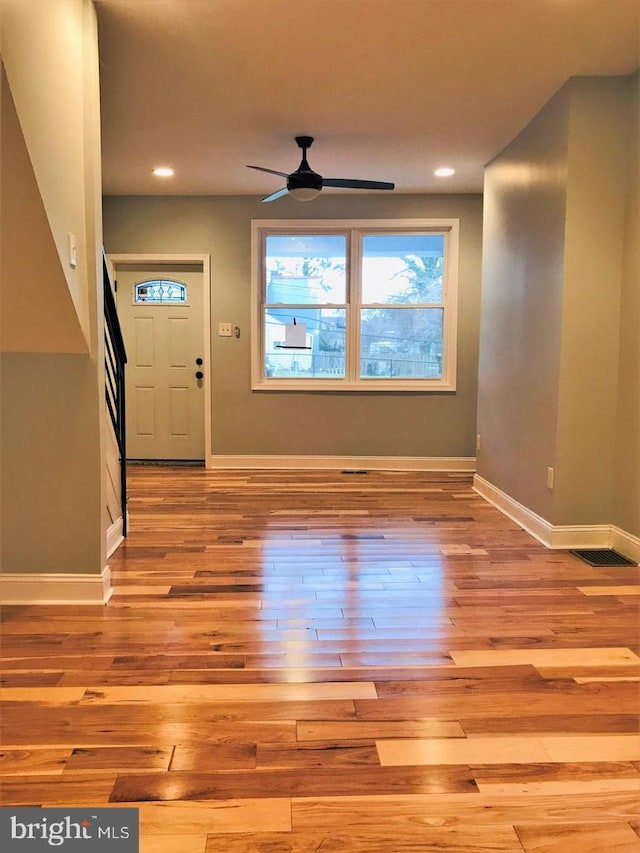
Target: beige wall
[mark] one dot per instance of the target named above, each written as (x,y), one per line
(250,422)
(52,486)
(37,313)
(43,46)
(626,501)
(554,249)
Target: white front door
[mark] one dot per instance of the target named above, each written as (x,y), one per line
(160,311)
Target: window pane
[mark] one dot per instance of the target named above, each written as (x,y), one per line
(326,339)
(404,269)
(401,343)
(305,269)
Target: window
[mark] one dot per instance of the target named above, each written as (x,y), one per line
(160,292)
(355,305)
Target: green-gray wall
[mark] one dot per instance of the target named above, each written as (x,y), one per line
(626,490)
(246,422)
(558,334)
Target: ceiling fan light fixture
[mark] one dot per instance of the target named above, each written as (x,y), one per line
(304,193)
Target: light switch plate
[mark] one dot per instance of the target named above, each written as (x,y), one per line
(73,250)
(225,330)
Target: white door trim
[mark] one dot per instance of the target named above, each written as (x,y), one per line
(149,259)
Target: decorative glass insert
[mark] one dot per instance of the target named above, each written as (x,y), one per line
(160,292)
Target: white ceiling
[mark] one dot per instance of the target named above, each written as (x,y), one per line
(390,89)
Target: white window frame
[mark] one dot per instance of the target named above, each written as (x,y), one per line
(354,229)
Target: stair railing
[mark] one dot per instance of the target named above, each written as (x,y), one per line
(115,358)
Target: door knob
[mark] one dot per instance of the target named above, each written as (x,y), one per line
(198,361)
(199,374)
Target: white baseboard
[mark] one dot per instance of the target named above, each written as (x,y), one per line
(114,536)
(559,536)
(374,463)
(625,543)
(581,536)
(55,588)
(534,524)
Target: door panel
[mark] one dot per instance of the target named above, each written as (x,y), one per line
(143,336)
(165,401)
(144,411)
(179,411)
(178,342)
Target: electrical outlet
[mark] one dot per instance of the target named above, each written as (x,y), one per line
(225,330)
(551,476)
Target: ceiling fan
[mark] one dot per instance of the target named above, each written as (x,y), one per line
(304,184)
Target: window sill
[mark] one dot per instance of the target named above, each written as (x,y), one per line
(403,385)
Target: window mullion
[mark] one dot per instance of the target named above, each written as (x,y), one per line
(353,312)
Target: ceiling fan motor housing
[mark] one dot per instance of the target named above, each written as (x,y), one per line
(307,180)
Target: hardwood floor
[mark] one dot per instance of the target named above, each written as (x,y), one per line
(322,662)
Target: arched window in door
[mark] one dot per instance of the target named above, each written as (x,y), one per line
(160,292)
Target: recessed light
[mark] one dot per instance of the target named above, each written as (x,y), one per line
(163,172)
(445,172)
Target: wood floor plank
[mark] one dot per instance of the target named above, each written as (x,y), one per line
(518,749)
(582,771)
(541,702)
(592,747)
(418,839)
(290,782)
(215,756)
(615,837)
(177,843)
(569,723)
(331,731)
(262,842)
(310,814)
(43,695)
(220,816)
(546,657)
(34,762)
(119,759)
(622,589)
(206,693)
(438,751)
(318,755)
(79,789)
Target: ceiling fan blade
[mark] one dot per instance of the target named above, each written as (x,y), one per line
(270,171)
(356,184)
(276,195)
